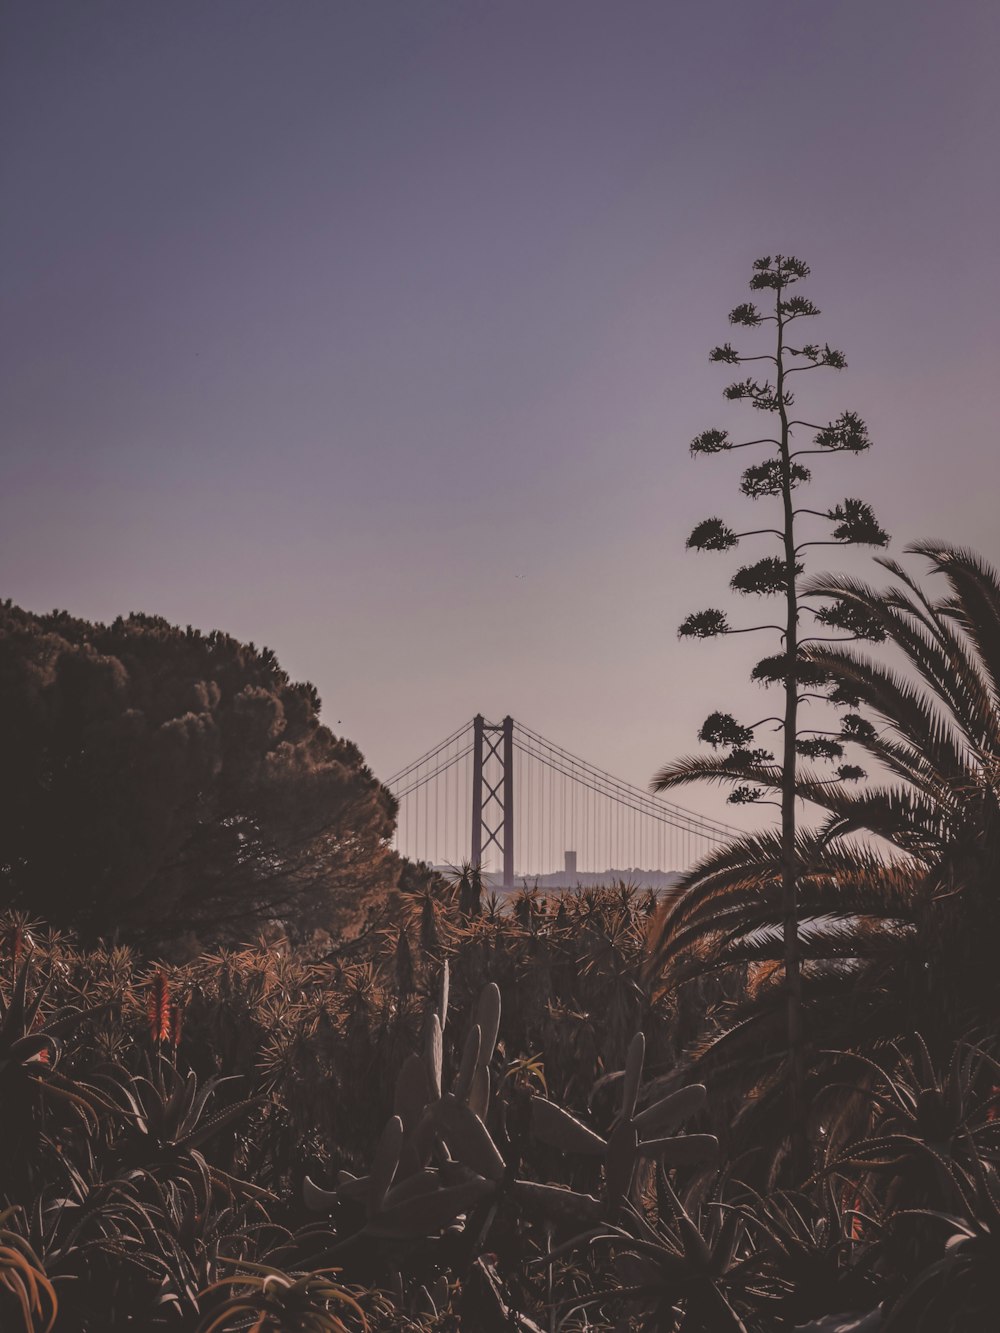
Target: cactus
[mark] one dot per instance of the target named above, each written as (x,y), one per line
(404,1196)
(437,1162)
(641,1134)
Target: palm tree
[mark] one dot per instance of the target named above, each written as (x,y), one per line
(899,882)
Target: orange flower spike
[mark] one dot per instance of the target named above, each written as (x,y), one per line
(159,1008)
(175,1018)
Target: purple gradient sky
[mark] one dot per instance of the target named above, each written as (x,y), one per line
(322,322)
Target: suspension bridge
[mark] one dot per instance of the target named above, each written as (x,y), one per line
(504,798)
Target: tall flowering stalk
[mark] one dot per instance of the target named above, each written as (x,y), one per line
(159,1009)
(777,477)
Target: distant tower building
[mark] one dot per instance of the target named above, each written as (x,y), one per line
(571,867)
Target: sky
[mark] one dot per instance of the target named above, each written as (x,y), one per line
(376,331)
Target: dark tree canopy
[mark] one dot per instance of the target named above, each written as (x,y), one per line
(156,780)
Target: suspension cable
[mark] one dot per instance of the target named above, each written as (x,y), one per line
(426,758)
(684,822)
(429,777)
(634,792)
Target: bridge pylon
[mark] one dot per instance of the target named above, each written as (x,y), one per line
(492,795)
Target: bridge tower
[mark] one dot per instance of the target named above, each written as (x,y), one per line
(493,800)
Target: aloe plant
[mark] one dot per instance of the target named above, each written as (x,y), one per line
(168,1123)
(28,1302)
(278,1302)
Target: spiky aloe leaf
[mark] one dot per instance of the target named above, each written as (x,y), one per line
(13,1013)
(633,1073)
(31,1008)
(37,1050)
(556,1127)
(620,1164)
(720,1314)
(232,1186)
(724,1249)
(636,1270)
(216,1122)
(664,1115)
(184,1107)
(696,1247)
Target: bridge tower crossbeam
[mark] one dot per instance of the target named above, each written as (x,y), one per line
(492,795)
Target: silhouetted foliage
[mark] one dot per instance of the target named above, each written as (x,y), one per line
(778,477)
(897,880)
(157,780)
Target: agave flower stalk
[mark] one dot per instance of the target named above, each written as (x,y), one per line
(777,477)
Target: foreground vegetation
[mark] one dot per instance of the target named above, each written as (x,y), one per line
(472,1119)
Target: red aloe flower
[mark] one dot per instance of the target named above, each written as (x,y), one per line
(175,1021)
(159,1008)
